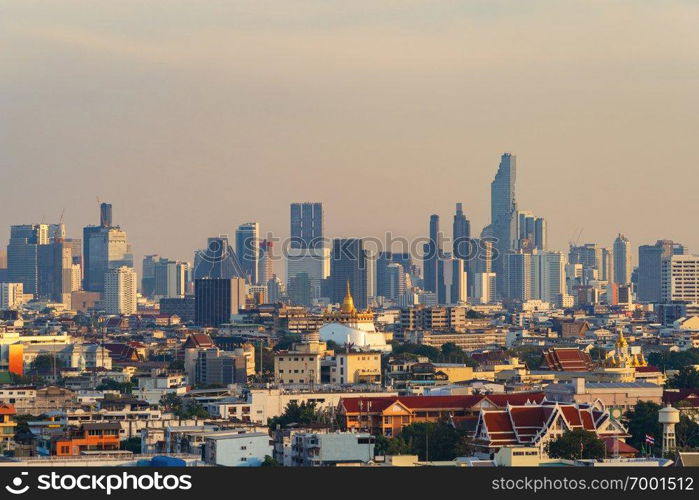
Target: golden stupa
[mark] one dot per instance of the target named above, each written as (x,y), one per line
(348,314)
(622,357)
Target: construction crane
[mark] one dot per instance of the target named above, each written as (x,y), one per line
(574,243)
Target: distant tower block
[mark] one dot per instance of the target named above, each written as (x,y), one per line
(669,416)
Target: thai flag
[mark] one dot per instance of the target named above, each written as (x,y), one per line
(650,439)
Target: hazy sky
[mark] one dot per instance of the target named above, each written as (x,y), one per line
(192,117)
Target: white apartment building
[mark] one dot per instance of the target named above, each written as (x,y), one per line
(120,287)
(237,450)
(549,277)
(679,279)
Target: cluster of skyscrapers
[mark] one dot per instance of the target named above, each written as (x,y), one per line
(508,262)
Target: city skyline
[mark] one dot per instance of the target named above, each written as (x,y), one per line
(292,107)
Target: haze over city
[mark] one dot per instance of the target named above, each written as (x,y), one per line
(193,118)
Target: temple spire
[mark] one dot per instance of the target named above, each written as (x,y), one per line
(348,303)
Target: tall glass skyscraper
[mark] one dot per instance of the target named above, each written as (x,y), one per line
(432,253)
(348,263)
(306,225)
(622,260)
(247,248)
(503,213)
(23,254)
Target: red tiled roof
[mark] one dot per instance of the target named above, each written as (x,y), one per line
(198,340)
(499,427)
(522,424)
(648,369)
(412,402)
(615,445)
(7,409)
(566,359)
(515,398)
(440,401)
(352,405)
(686,396)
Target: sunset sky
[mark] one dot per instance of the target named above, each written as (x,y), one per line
(192,117)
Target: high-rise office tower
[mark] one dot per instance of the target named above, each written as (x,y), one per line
(622,260)
(383,260)
(148,275)
(595,261)
(265,268)
(461,235)
(370,260)
(169,278)
(432,254)
(105,215)
(540,234)
(216,300)
(503,214)
(247,248)
(307,252)
(274,289)
(679,280)
(394,284)
(104,248)
(300,290)
(453,281)
(549,277)
(649,268)
(307,225)
(23,255)
(217,261)
(55,265)
(531,231)
(518,269)
(3,267)
(120,285)
(314,262)
(484,288)
(348,264)
(76,250)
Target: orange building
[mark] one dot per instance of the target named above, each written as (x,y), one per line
(7,426)
(89,437)
(388,415)
(15,359)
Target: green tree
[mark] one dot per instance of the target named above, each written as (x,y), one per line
(183,408)
(131,444)
(390,446)
(432,441)
(666,360)
(109,384)
(44,363)
(171,402)
(642,420)
(530,355)
(294,413)
(686,378)
(687,434)
(576,444)
(176,365)
(286,341)
(269,462)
